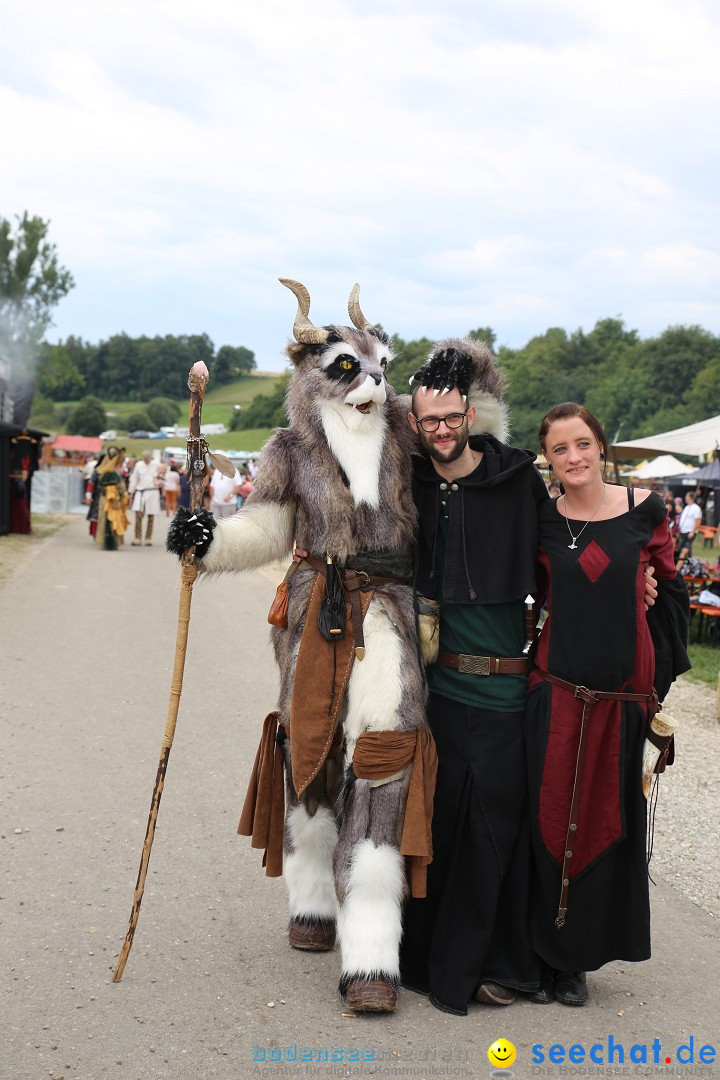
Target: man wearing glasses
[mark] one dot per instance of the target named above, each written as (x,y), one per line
(477,504)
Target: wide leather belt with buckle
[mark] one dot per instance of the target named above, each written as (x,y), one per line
(484,665)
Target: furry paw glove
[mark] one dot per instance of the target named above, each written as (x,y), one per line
(188,529)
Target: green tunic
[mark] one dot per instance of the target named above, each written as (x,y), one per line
(481,630)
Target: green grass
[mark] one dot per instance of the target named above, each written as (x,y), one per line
(705,660)
(217,406)
(252,439)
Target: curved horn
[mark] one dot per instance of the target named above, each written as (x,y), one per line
(303,329)
(356,315)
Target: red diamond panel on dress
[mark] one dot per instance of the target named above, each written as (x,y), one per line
(594,561)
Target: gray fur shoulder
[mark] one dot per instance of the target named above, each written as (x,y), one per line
(274,479)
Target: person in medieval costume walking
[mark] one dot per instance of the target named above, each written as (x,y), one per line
(601,665)
(144,489)
(112,520)
(350,725)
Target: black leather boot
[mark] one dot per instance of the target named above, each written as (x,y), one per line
(571,988)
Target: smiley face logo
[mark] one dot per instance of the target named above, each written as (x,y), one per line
(501,1054)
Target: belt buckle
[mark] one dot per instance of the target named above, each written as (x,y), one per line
(366,583)
(473,665)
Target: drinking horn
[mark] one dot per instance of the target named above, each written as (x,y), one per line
(664,726)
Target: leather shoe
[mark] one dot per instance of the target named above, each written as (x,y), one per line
(313,935)
(492,993)
(571,988)
(545,995)
(370,995)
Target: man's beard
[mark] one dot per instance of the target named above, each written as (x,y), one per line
(445,456)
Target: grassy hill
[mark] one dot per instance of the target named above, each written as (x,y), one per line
(218,404)
(218,408)
(252,439)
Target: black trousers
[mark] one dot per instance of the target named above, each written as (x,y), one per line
(474,923)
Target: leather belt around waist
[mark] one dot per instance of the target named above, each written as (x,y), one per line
(589,698)
(352,578)
(354,582)
(484,665)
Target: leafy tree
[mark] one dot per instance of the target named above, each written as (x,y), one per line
(43,412)
(31,283)
(704,393)
(87,418)
(139,421)
(58,377)
(265,410)
(484,334)
(230,363)
(114,368)
(672,362)
(409,356)
(162,411)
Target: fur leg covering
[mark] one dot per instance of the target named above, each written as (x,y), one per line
(309,845)
(375,689)
(369,923)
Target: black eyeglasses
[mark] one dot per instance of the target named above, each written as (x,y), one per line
(432,423)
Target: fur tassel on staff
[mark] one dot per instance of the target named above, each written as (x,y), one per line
(197,381)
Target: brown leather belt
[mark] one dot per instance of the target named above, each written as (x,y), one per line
(589,698)
(353,582)
(484,665)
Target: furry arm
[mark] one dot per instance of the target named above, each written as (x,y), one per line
(261,532)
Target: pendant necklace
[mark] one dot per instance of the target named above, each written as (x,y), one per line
(576,538)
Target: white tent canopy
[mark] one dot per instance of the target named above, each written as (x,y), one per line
(693,440)
(665,465)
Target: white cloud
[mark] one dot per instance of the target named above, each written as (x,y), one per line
(470,164)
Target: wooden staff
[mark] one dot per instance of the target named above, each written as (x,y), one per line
(197,381)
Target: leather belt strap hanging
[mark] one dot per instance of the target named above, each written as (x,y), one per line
(353,581)
(589,698)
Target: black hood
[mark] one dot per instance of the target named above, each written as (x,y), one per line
(492,526)
(501,463)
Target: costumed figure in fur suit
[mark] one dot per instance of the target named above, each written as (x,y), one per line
(350,728)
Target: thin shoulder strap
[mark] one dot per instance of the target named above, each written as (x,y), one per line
(631,498)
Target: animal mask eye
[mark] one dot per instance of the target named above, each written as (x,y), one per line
(346,364)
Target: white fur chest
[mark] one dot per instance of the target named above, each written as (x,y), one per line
(356,441)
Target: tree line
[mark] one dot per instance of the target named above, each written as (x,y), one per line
(124,368)
(635,386)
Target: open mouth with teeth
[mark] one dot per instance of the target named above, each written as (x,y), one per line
(363,407)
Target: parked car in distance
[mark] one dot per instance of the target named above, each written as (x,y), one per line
(141,435)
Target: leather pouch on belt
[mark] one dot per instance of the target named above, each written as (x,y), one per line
(278,613)
(428,621)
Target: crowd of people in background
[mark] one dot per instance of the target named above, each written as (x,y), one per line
(148,488)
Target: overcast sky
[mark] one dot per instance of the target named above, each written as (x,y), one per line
(518,164)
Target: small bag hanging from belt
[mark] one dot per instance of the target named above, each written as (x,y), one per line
(278,613)
(428,626)
(332,614)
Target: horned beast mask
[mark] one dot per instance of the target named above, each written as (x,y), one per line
(345,364)
(469,367)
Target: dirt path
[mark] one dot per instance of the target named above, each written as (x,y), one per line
(87,646)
